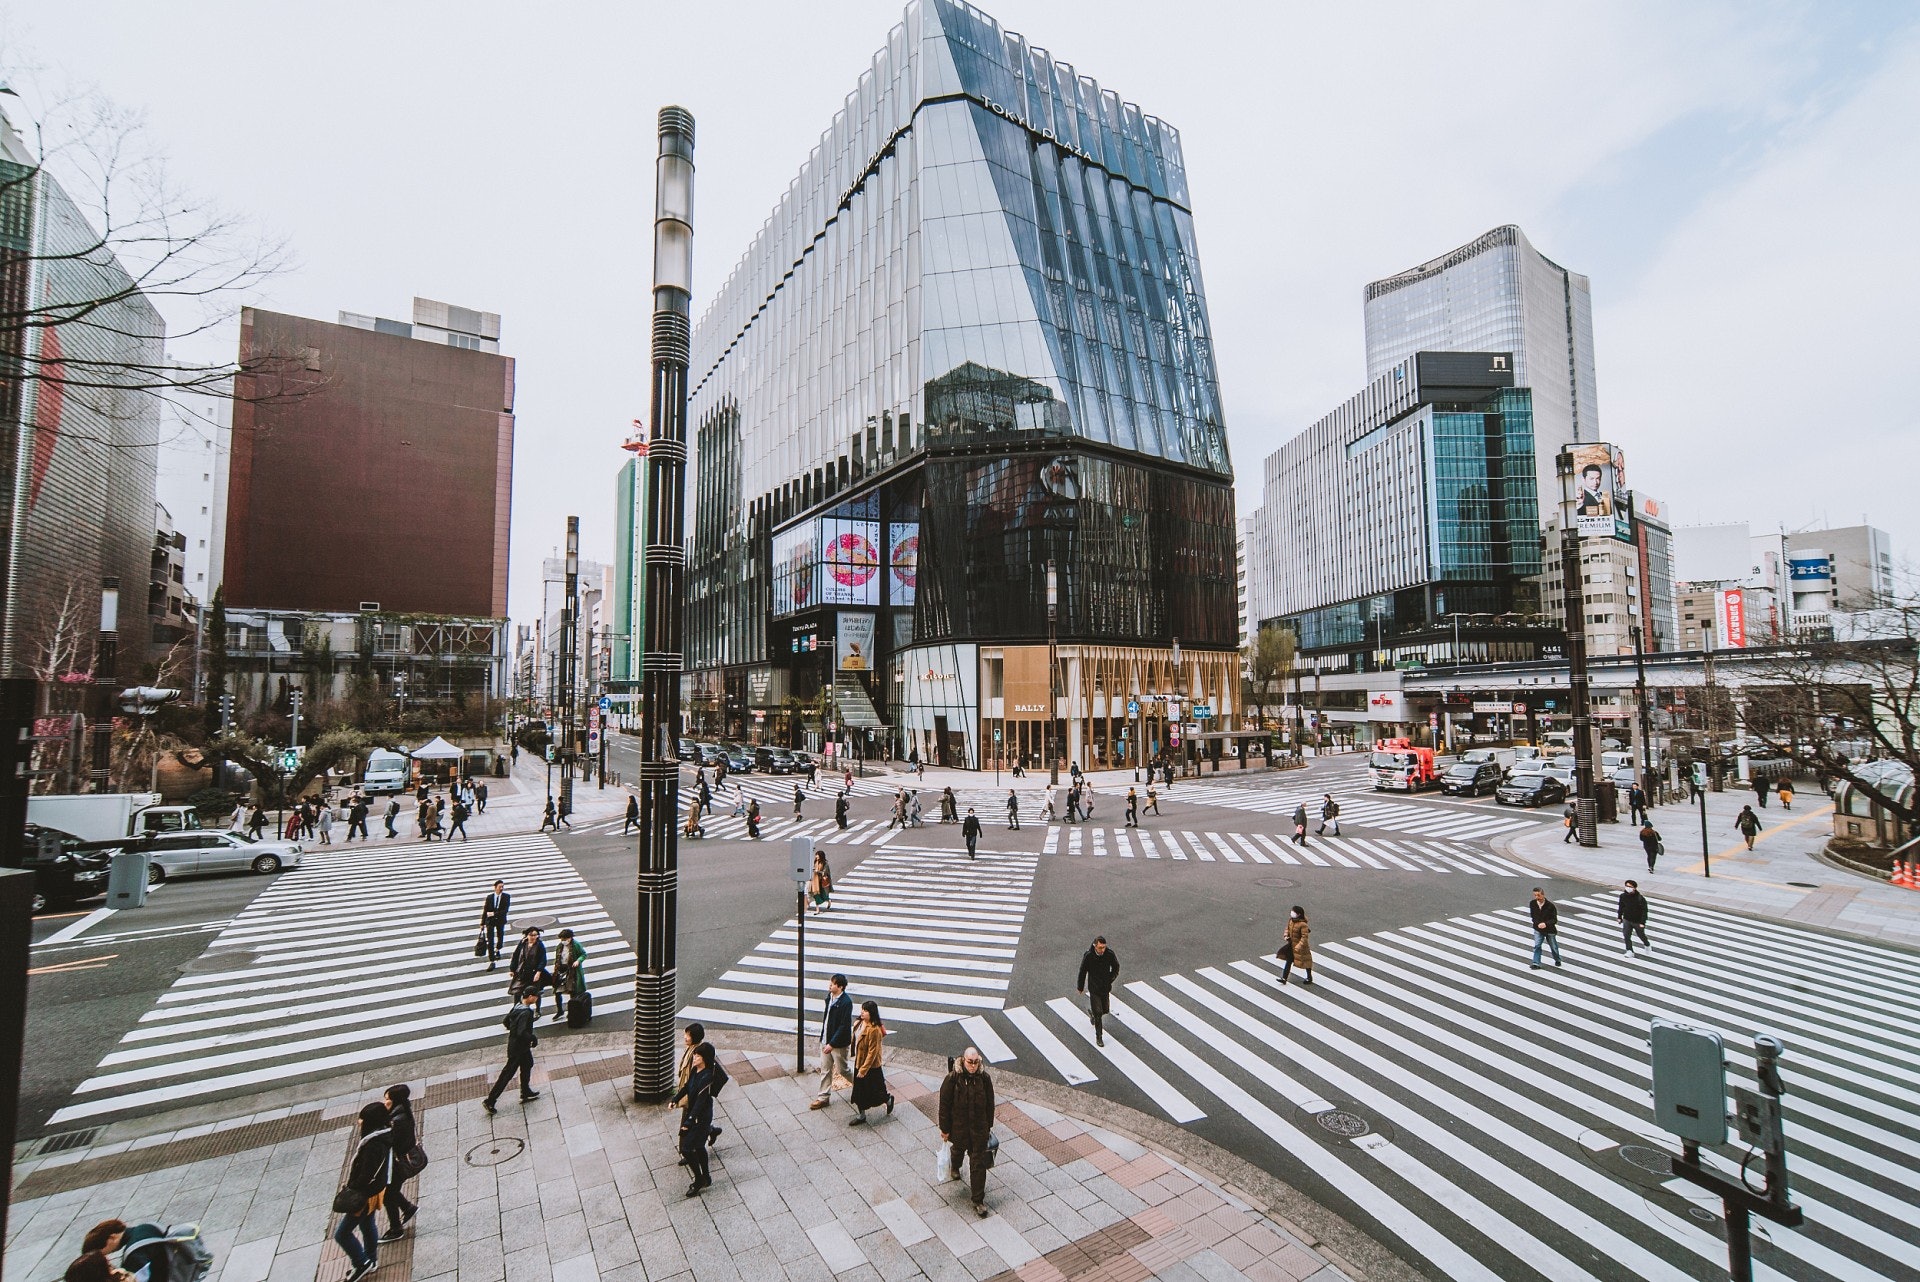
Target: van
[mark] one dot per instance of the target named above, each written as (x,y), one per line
(386,772)
(1612,761)
(1558,740)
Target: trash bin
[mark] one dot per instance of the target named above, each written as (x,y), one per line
(1607,795)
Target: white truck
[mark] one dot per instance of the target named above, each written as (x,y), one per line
(386,771)
(110,816)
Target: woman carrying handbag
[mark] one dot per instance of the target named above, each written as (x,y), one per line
(869,1083)
(1298,950)
(820,886)
(569,972)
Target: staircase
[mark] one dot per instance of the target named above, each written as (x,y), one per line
(855,707)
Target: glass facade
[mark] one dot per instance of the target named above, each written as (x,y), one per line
(971,337)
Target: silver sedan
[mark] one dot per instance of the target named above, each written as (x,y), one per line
(191,854)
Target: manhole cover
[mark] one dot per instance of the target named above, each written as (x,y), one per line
(1647,1159)
(1703,1215)
(1276,883)
(496,1151)
(1338,1121)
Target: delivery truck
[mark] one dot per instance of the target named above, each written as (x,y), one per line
(109,816)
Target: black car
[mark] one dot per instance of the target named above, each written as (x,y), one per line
(1471,778)
(65,869)
(773,761)
(688,750)
(1531,790)
(710,753)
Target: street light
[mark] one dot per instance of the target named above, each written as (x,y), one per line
(1574,602)
(1053,668)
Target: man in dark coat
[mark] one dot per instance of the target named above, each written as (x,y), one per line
(521,1039)
(836,1035)
(1099,967)
(1546,926)
(633,815)
(1631,913)
(529,964)
(840,811)
(971,831)
(966,1120)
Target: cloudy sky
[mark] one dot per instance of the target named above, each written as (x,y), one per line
(1738,179)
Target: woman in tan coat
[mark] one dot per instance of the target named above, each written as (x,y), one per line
(869,1083)
(1298,950)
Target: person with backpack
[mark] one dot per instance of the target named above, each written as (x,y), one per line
(409,1159)
(94,1264)
(799,797)
(1329,815)
(177,1253)
(521,1039)
(570,979)
(360,1199)
(1747,824)
(1650,842)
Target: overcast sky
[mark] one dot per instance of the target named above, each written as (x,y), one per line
(1739,180)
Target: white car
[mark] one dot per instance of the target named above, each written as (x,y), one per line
(209,850)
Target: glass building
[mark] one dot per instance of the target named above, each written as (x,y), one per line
(969,342)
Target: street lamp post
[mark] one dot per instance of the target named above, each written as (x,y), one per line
(1053,668)
(569,660)
(663,657)
(1574,600)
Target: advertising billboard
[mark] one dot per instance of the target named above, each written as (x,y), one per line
(795,570)
(1386,705)
(1730,618)
(853,646)
(903,561)
(1602,507)
(850,557)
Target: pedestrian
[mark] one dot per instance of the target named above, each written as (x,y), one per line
(521,1039)
(1099,967)
(966,1123)
(949,806)
(527,968)
(1053,815)
(1567,818)
(1298,948)
(256,821)
(357,817)
(95,1261)
(971,831)
(706,795)
(916,817)
(1300,824)
(1650,842)
(849,776)
(459,821)
(1153,798)
(1747,824)
(753,819)
(1086,798)
(820,884)
(493,922)
(360,1199)
(238,820)
(633,815)
(1073,803)
(1784,790)
(393,817)
(1329,815)
(326,824)
(423,818)
(1133,808)
(1013,810)
(1546,926)
(799,797)
(409,1159)
(690,1038)
(547,818)
(840,811)
(836,1035)
(1760,787)
(1631,913)
(1637,805)
(569,972)
(480,797)
(899,810)
(696,1117)
(813,775)
(869,1083)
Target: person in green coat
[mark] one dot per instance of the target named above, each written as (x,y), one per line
(569,972)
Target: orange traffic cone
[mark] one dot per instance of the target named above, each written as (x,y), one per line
(1903,874)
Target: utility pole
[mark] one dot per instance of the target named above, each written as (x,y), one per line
(1053,668)
(570,664)
(1573,598)
(657,884)
(1646,713)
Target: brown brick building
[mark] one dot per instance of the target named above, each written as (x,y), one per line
(388,479)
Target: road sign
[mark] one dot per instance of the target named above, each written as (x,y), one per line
(606,704)
(1202,709)
(1133,707)
(289,759)
(593,741)
(800,860)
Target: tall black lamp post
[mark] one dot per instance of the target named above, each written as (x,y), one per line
(1574,598)
(1053,669)
(663,657)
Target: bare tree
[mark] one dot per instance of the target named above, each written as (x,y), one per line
(1834,707)
(138,747)
(61,658)
(1269,661)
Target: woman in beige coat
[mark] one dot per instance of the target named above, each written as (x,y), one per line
(869,1083)
(1298,950)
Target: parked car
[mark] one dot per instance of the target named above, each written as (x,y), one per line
(688,750)
(1471,778)
(64,870)
(739,760)
(1535,789)
(1624,777)
(193,854)
(711,754)
(773,761)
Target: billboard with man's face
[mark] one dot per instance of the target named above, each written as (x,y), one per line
(1601,505)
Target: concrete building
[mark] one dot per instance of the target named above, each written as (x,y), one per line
(1497,293)
(1859,565)
(593,658)
(627,620)
(1653,540)
(172,612)
(194,458)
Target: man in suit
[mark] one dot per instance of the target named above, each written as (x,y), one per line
(493,920)
(836,1035)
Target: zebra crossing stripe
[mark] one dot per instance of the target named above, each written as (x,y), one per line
(1220,843)
(1193,840)
(1053,840)
(1154,1086)
(1147,847)
(1123,844)
(1100,842)
(989,1043)
(1253,851)
(1279,851)
(1064,1061)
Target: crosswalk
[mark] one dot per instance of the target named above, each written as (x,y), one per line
(1494,1122)
(928,935)
(356,958)
(1362,810)
(1184,845)
(722,826)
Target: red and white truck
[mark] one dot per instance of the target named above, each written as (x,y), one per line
(1399,766)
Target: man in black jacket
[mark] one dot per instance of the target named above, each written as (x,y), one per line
(836,1035)
(529,965)
(966,1120)
(371,1172)
(1099,967)
(1546,926)
(971,831)
(521,1039)
(1632,916)
(493,917)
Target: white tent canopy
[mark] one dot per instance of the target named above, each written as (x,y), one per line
(437,750)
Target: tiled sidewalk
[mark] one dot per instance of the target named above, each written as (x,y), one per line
(1781,877)
(583,1185)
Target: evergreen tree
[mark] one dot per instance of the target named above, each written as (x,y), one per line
(216,642)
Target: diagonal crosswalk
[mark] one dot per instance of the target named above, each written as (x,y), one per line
(358,957)
(929,935)
(1495,1121)
(1186,846)
(722,826)
(1362,810)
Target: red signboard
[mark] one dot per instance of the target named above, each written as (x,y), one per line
(1733,611)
